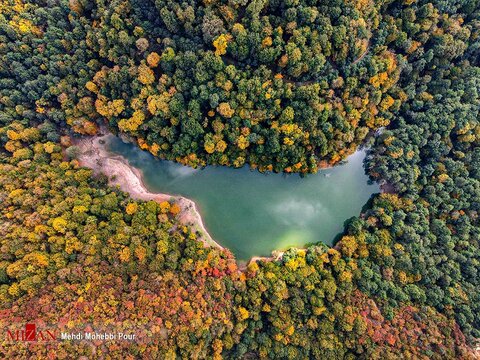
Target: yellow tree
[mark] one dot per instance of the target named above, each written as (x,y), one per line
(221,44)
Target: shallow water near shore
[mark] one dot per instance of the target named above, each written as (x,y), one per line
(253,214)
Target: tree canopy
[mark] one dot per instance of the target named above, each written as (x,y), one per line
(286,86)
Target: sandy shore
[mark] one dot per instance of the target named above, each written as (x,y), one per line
(93,154)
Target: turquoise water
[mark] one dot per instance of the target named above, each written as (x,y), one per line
(252,213)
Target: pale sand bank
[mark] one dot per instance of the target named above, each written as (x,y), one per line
(95,156)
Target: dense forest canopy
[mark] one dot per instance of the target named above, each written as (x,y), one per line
(277,85)
(288,86)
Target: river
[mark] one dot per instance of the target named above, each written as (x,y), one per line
(252,213)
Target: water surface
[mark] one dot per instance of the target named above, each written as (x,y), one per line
(252,213)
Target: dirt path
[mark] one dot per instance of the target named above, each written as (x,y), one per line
(94,155)
(361,56)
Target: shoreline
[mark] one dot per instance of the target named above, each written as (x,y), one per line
(129,179)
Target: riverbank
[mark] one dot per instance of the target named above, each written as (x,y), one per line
(94,155)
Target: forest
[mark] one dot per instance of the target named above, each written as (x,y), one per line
(280,86)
